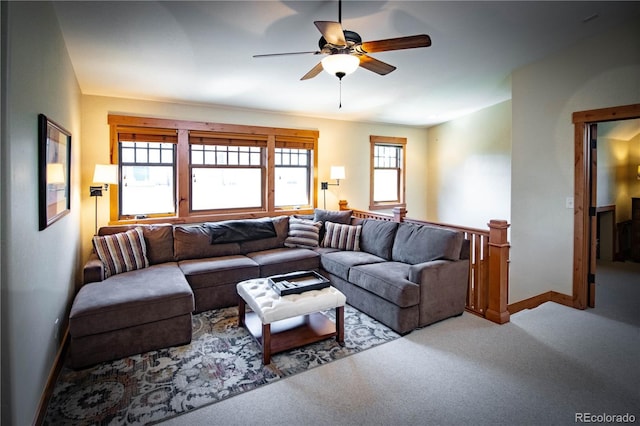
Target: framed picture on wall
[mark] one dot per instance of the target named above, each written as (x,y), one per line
(54,174)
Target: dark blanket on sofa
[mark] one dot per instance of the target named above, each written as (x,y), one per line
(231,231)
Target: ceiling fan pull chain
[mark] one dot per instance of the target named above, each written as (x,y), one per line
(340,103)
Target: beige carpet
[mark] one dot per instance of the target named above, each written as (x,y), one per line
(546,366)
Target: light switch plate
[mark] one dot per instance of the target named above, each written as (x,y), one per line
(569,203)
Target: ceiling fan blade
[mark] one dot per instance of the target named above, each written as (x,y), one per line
(332,32)
(264,55)
(313,72)
(372,64)
(399,43)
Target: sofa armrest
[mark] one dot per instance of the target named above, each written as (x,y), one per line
(443,288)
(93,270)
(432,270)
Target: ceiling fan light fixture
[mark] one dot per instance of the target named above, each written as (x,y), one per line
(340,64)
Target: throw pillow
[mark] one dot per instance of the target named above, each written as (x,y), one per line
(121,252)
(303,233)
(343,237)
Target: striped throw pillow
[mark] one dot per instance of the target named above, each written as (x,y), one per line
(343,237)
(121,252)
(303,233)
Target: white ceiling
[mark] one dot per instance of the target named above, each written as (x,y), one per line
(623,130)
(202,52)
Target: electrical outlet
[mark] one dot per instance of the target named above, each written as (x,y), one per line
(569,203)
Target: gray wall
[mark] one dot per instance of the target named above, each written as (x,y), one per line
(600,72)
(469,168)
(515,160)
(38,267)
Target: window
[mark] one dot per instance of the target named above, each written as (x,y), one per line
(293,177)
(226,177)
(387,172)
(147,178)
(187,171)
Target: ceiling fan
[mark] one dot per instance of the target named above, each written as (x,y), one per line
(346,50)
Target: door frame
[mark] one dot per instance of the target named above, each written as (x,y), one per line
(583,240)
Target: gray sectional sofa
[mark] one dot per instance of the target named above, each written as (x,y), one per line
(404,275)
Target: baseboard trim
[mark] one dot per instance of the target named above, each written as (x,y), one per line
(535,301)
(51,380)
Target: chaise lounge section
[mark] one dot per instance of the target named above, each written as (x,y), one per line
(130,313)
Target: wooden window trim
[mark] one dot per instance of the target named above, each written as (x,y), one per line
(394,141)
(182,131)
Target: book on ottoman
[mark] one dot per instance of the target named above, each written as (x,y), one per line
(297,282)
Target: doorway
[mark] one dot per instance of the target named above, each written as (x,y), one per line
(585,208)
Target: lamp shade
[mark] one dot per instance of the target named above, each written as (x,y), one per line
(55,173)
(337,172)
(105,173)
(340,64)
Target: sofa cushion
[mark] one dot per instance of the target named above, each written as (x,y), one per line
(303,216)
(216,271)
(339,262)
(121,252)
(422,243)
(377,237)
(387,280)
(158,239)
(303,233)
(192,242)
(281,227)
(285,260)
(130,299)
(335,216)
(232,231)
(343,237)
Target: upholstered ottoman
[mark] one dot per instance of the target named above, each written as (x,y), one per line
(130,313)
(282,323)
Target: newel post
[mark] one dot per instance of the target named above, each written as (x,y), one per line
(498,291)
(399,213)
(343,204)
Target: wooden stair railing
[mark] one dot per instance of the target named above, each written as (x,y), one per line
(488,289)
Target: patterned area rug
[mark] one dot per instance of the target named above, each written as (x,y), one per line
(221,361)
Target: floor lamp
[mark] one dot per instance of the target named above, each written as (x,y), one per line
(103,174)
(337,173)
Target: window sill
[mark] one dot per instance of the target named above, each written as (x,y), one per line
(211,217)
(386,206)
